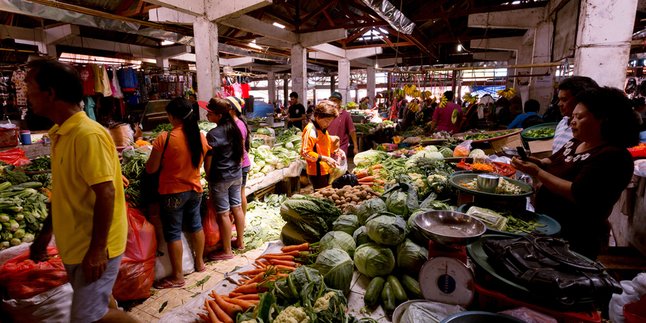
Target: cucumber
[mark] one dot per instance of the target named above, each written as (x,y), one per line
(387,298)
(412,286)
(398,290)
(373,292)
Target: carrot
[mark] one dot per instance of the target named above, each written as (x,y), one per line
(377,166)
(283,267)
(367,179)
(248,297)
(255,279)
(247,289)
(204,317)
(234,294)
(230,309)
(293,253)
(301,247)
(362,173)
(283,262)
(260,263)
(212,317)
(277,257)
(245,305)
(222,316)
(253,272)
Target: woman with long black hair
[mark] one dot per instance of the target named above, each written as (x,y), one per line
(180,153)
(224,172)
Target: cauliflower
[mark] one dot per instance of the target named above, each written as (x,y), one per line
(323,302)
(420,183)
(437,182)
(292,314)
(249,321)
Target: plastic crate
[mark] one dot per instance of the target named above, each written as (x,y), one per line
(495,301)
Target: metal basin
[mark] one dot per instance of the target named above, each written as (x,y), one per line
(449,227)
(480,317)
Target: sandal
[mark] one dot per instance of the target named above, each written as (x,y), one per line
(167,283)
(220,256)
(201,269)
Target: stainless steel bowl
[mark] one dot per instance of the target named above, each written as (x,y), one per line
(449,227)
(487,182)
(480,317)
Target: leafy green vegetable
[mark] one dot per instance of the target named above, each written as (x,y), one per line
(386,229)
(360,236)
(401,199)
(263,221)
(411,257)
(368,208)
(338,239)
(336,266)
(374,260)
(347,223)
(314,217)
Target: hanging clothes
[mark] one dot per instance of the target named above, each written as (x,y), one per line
(98,78)
(89,105)
(87,77)
(127,78)
(245,90)
(105,80)
(114,85)
(18,79)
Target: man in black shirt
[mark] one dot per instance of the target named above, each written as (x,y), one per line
(296,112)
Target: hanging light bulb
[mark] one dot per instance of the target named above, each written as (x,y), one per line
(459,48)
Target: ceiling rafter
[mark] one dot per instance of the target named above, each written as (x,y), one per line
(319,10)
(426,14)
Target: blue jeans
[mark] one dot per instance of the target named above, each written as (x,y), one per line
(226,194)
(180,211)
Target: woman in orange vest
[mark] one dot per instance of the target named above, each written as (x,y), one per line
(316,147)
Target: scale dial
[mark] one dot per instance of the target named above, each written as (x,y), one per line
(446,280)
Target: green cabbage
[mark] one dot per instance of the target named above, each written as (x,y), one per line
(336,266)
(368,208)
(446,152)
(401,199)
(477,153)
(386,229)
(369,157)
(360,235)
(338,239)
(346,223)
(374,260)
(411,257)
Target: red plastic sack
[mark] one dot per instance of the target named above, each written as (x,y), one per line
(137,270)
(22,278)
(14,156)
(211,228)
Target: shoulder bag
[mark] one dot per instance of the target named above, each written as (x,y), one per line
(150,182)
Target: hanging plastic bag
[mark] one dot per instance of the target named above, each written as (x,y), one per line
(22,278)
(211,228)
(137,269)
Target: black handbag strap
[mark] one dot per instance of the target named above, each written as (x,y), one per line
(164,151)
(558,251)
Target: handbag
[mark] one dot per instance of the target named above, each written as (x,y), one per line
(551,272)
(150,182)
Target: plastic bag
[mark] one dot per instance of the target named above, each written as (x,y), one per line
(463,149)
(22,278)
(210,227)
(136,272)
(342,165)
(162,263)
(14,156)
(633,290)
(51,306)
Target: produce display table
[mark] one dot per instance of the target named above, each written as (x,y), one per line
(293,170)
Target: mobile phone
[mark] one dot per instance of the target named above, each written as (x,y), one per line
(521,153)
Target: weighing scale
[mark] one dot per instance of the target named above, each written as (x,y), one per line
(447,276)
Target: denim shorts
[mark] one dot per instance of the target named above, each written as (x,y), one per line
(90,301)
(180,212)
(226,194)
(245,172)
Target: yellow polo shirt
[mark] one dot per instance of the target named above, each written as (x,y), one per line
(83,154)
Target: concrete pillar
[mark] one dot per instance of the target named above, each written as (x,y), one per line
(332,84)
(372,84)
(344,79)
(285,91)
(164,63)
(511,81)
(271,87)
(207,64)
(603,40)
(524,57)
(299,71)
(541,87)
(51,51)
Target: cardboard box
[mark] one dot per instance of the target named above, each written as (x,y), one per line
(509,141)
(540,148)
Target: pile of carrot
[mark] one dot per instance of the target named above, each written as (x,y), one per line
(370,176)
(269,267)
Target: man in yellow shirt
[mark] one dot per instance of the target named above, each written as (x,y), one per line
(88,213)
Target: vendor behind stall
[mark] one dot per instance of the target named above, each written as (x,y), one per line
(584,179)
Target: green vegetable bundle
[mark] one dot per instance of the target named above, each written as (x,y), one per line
(22,211)
(309,217)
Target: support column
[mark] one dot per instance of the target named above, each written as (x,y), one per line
(271,87)
(332,84)
(523,57)
(603,40)
(372,84)
(541,87)
(164,63)
(344,79)
(207,60)
(299,72)
(285,91)
(51,51)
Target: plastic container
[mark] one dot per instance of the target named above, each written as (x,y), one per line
(635,312)
(25,137)
(496,301)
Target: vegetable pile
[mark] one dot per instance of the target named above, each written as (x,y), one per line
(23,209)
(308,219)
(263,221)
(346,197)
(265,159)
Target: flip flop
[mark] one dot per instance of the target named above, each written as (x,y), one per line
(220,256)
(167,283)
(201,269)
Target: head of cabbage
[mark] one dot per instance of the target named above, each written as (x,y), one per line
(387,229)
(367,208)
(374,260)
(411,257)
(336,266)
(401,199)
(360,235)
(347,223)
(338,239)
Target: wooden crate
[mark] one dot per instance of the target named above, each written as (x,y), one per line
(261,193)
(509,141)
